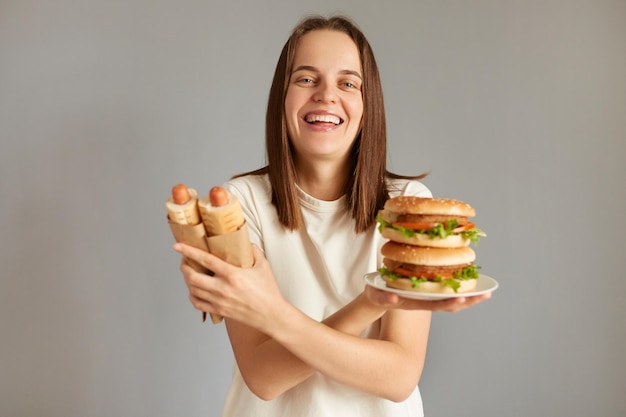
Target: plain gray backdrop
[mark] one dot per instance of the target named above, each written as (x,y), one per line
(517,107)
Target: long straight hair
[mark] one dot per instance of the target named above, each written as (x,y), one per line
(366,189)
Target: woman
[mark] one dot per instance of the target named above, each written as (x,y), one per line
(308,338)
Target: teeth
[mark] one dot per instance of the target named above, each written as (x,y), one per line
(323,118)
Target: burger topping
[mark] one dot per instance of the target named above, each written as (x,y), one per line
(429,226)
(434,230)
(428,218)
(467,270)
(443,277)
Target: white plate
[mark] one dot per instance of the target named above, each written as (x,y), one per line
(484,285)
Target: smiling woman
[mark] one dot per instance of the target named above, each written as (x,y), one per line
(306,335)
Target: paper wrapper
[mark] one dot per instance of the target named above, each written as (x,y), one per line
(193,236)
(233,247)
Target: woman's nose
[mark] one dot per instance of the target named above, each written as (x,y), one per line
(325,93)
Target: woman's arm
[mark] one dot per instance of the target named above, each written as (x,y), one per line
(300,346)
(270,368)
(389,367)
(277,346)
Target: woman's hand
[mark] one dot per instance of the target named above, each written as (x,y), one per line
(249,295)
(392,301)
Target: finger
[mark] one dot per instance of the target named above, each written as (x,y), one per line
(478,299)
(206,259)
(391,298)
(190,252)
(191,275)
(455,304)
(461,303)
(205,293)
(447,305)
(381,298)
(187,266)
(202,304)
(471,301)
(199,284)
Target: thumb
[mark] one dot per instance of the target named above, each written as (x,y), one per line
(382,298)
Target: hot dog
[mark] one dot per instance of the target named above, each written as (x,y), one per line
(221,212)
(182,205)
(224,223)
(182,209)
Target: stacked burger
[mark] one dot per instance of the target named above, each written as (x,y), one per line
(429,245)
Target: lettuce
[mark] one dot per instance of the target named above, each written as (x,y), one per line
(469,272)
(441,230)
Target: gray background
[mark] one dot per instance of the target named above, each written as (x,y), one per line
(514,106)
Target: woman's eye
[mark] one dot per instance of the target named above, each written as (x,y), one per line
(350,85)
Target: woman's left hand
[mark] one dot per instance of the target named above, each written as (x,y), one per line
(391,301)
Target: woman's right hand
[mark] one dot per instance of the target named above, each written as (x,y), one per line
(249,295)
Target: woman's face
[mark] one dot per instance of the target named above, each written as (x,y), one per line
(324,102)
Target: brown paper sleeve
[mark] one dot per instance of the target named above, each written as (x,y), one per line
(192,236)
(234,248)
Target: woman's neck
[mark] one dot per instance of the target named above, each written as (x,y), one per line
(324,181)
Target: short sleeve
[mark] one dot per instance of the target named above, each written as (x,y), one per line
(407,187)
(251,197)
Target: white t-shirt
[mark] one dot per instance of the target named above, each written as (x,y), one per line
(319,270)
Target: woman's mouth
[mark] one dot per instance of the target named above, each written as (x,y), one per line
(323,118)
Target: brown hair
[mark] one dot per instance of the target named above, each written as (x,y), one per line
(365,190)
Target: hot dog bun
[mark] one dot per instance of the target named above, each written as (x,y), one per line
(223,218)
(183,212)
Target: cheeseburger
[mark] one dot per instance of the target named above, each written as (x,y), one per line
(432,222)
(428,248)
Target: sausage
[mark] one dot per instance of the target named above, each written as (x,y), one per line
(180,194)
(218,197)
(220,211)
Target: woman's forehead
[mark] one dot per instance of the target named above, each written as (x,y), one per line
(327,48)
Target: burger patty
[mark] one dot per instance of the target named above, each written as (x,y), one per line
(430,218)
(424,269)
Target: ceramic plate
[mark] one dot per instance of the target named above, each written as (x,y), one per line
(484,285)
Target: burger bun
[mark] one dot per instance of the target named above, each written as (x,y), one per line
(422,239)
(428,256)
(425,205)
(405,284)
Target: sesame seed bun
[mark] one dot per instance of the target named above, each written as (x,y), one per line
(423,205)
(428,256)
(466,285)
